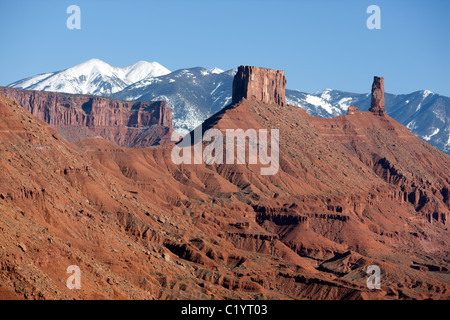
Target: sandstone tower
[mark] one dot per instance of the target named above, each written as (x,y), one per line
(266,85)
(377,101)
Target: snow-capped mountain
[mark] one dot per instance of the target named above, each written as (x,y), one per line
(197,93)
(92,77)
(194,94)
(326,104)
(425,113)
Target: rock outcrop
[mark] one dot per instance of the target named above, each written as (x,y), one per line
(351,191)
(377,101)
(76,117)
(352,110)
(266,85)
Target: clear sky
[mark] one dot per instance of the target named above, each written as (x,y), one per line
(320,44)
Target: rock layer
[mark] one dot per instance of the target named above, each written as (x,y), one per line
(266,85)
(78,117)
(352,191)
(377,101)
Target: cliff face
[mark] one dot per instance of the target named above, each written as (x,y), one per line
(78,117)
(391,150)
(377,101)
(352,191)
(266,85)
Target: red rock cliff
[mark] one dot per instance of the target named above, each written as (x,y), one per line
(262,84)
(81,116)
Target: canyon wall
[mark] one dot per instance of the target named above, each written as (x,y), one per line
(76,117)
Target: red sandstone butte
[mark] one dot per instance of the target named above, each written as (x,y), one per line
(265,85)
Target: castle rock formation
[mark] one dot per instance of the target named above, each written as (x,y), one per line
(266,85)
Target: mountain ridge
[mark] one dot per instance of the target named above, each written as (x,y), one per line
(93,76)
(197,93)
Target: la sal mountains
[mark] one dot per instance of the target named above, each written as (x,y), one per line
(92,77)
(195,94)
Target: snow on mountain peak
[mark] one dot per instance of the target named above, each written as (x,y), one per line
(216,70)
(93,76)
(326,94)
(89,67)
(143,70)
(426,93)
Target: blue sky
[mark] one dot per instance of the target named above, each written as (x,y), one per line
(320,44)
